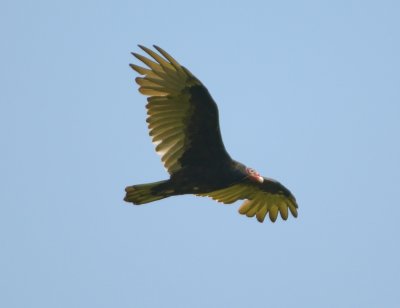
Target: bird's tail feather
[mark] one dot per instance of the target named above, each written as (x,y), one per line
(144,193)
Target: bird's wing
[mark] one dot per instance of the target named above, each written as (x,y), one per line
(269,197)
(182,116)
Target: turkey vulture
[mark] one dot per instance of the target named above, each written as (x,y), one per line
(184,125)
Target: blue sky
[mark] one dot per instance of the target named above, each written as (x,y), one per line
(308,93)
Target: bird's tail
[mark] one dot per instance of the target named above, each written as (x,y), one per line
(145,193)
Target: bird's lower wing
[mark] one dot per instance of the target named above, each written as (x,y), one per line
(260,200)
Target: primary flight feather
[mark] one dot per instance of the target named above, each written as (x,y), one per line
(183,124)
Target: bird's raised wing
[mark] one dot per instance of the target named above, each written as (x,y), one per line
(269,197)
(182,116)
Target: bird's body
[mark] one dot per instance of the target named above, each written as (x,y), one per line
(184,124)
(201,179)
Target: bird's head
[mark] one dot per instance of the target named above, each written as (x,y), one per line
(254,175)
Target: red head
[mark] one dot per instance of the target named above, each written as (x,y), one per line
(254,175)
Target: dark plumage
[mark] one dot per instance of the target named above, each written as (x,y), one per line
(184,125)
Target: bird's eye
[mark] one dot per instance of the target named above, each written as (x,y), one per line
(250,170)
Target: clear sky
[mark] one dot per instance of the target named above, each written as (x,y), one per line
(308,93)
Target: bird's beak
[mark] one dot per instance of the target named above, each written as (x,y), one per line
(260,178)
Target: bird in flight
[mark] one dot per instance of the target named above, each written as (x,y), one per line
(184,126)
